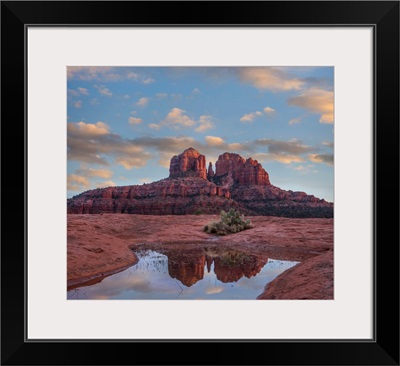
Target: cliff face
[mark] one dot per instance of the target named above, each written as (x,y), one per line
(188,164)
(233,169)
(191,188)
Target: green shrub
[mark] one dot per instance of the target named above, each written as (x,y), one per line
(199,211)
(231,222)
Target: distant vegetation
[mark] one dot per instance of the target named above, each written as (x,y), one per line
(231,222)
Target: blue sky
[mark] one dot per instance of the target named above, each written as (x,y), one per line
(125,123)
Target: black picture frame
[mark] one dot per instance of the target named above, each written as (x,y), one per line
(383,16)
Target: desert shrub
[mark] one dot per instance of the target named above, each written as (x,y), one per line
(199,211)
(231,222)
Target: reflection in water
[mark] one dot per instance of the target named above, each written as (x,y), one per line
(188,274)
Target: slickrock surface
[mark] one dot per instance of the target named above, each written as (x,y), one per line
(101,244)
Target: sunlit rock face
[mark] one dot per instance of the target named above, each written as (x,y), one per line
(190,163)
(233,169)
(236,183)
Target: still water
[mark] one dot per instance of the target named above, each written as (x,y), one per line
(188,274)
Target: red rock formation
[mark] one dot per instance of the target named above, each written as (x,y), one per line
(188,164)
(166,197)
(233,169)
(210,172)
(237,183)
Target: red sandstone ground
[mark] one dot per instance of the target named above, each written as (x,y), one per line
(99,245)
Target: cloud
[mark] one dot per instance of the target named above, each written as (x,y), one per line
(161,95)
(214,141)
(78,104)
(306,169)
(83,91)
(282,157)
(135,121)
(294,146)
(177,119)
(271,78)
(321,158)
(142,102)
(328,144)
(214,290)
(139,78)
(103,90)
(95,144)
(196,91)
(77,92)
(106,74)
(148,81)
(88,129)
(294,121)
(145,180)
(94,101)
(269,110)
(205,123)
(250,117)
(107,183)
(88,73)
(154,126)
(77,183)
(90,173)
(316,100)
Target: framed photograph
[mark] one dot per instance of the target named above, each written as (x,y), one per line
(201,174)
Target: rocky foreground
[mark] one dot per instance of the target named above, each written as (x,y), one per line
(99,245)
(192,188)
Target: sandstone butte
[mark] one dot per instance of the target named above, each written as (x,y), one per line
(193,188)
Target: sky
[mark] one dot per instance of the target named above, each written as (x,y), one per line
(124,124)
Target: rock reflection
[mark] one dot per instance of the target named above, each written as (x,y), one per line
(188,270)
(229,265)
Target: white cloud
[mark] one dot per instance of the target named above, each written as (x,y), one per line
(78,104)
(214,140)
(196,91)
(250,117)
(294,121)
(316,100)
(90,172)
(76,182)
(270,78)
(154,126)
(148,81)
(103,90)
(269,110)
(205,123)
(135,120)
(142,102)
(107,183)
(88,129)
(283,158)
(145,180)
(306,169)
(83,91)
(87,73)
(129,162)
(176,119)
